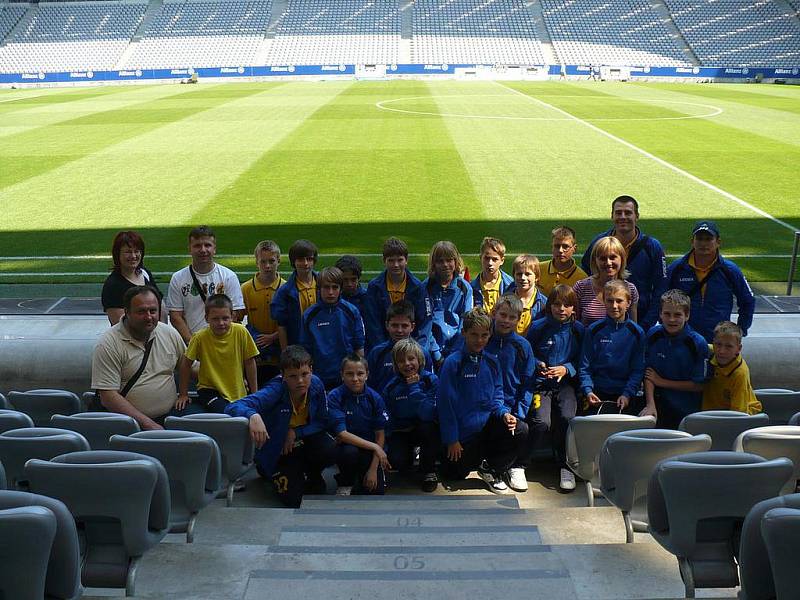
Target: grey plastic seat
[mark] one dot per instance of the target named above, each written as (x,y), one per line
(781,530)
(722,425)
(13,419)
(627,460)
(585,438)
(754,559)
(193,464)
(42,404)
(696,504)
(3,402)
(41,560)
(779,404)
(232,435)
(97,427)
(121,500)
(773,442)
(3,480)
(795,420)
(20,445)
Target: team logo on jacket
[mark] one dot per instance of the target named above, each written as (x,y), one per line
(323,323)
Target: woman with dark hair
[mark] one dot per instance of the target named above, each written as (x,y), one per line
(127,251)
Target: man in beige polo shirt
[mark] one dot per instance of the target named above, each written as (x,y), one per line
(118,356)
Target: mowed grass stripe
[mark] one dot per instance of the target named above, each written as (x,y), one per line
(351,163)
(35,152)
(758,96)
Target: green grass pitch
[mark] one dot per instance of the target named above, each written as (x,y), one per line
(347,164)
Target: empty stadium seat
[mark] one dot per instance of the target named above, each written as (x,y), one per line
(781,530)
(14,419)
(20,445)
(773,442)
(42,404)
(627,460)
(722,425)
(97,427)
(779,404)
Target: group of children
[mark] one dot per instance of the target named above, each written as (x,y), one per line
(472,374)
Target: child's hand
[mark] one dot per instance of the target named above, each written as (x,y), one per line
(510,421)
(454,451)
(651,375)
(622,402)
(541,367)
(648,411)
(592,398)
(371,479)
(181,402)
(383,460)
(412,378)
(258,431)
(263,340)
(555,372)
(288,444)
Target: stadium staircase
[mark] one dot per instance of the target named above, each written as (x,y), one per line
(406,10)
(153,7)
(24,20)
(661,9)
(549,53)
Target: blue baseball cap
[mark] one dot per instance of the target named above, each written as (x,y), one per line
(708,226)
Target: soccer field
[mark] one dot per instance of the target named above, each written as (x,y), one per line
(346,164)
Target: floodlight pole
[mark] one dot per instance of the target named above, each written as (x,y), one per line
(793,265)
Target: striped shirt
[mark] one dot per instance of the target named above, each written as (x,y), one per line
(590,309)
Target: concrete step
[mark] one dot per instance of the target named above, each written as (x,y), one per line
(299,535)
(420,518)
(412,502)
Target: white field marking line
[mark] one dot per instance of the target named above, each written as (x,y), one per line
(660,161)
(22,98)
(715,110)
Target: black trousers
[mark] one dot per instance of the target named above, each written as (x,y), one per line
(494,443)
(424,434)
(353,464)
(300,471)
(556,408)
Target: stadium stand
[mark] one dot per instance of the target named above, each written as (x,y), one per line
(474,31)
(10,14)
(618,32)
(201,34)
(337,31)
(71,36)
(739,33)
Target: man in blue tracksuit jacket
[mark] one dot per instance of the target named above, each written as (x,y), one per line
(712,282)
(612,363)
(646,261)
(332,328)
(379,301)
(288,421)
(447,304)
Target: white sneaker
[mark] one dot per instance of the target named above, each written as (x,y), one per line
(567,480)
(517,480)
(344,490)
(496,485)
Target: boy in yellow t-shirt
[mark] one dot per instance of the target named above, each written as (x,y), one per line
(562,268)
(729,388)
(225,349)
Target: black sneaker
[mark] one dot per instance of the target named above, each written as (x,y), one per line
(430,482)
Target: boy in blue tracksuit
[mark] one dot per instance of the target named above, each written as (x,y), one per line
(477,428)
(352,290)
(411,402)
(449,294)
(492,282)
(712,282)
(646,261)
(358,420)
(394,284)
(332,329)
(612,355)
(676,361)
(288,420)
(298,293)
(556,340)
(400,325)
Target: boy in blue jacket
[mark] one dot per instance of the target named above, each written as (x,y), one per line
(288,421)
(556,340)
(477,428)
(492,282)
(712,282)
(400,325)
(358,419)
(411,402)
(612,355)
(352,290)
(676,361)
(332,329)
(394,284)
(295,296)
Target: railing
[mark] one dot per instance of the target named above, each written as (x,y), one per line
(793,264)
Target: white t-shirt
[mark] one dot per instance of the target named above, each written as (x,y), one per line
(184,296)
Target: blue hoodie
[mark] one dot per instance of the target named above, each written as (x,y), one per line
(447,306)
(378,301)
(409,404)
(556,344)
(470,391)
(272,402)
(360,414)
(330,332)
(381,365)
(477,295)
(725,281)
(612,358)
(647,265)
(285,308)
(680,357)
